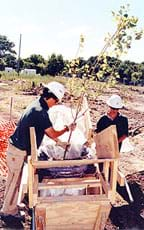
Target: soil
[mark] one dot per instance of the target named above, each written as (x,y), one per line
(124,214)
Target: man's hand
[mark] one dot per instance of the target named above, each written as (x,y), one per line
(72,126)
(63,145)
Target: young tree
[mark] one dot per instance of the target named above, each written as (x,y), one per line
(115,46)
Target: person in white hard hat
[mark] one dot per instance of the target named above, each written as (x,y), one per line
(114,117)
(35,115)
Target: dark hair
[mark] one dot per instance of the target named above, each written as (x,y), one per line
(48,94)
(114,108)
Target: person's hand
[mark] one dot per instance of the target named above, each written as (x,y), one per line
(72,126)
(63,145)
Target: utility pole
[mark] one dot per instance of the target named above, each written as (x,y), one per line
(19,52)
(80,47)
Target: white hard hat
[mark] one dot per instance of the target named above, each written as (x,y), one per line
(115,101)
(56,88)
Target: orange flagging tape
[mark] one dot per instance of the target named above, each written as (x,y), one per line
(6,130)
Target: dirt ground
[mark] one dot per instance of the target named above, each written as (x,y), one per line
(124,214)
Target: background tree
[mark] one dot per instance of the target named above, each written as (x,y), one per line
(106,66)
(7,53)
(55,65)
(10,61)
(135,77)
(2,64)
(6,46)
(141,70)
(35,61)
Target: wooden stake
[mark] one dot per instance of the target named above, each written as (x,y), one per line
(11,104)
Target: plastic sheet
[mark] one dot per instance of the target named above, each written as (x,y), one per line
(60,116)
(6,129)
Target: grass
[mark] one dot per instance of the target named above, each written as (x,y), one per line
(24,82)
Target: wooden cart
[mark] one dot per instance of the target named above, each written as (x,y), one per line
(89,210)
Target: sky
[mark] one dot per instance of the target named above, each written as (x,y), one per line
(55,26)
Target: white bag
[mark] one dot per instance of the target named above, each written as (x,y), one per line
(126,146)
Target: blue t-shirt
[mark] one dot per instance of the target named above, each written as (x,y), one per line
(35,115)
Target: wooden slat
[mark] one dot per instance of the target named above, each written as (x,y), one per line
(120,178)
(66,163)
(69,180)
(24,184)
(105,210)
(113,178)
(30,181)
(107,143)
(72,185)
(35,190)
(40,218)
(98,219)
(62,181)
(74,215)
(33,144)
(100,198)
(106,169)
(105,186)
